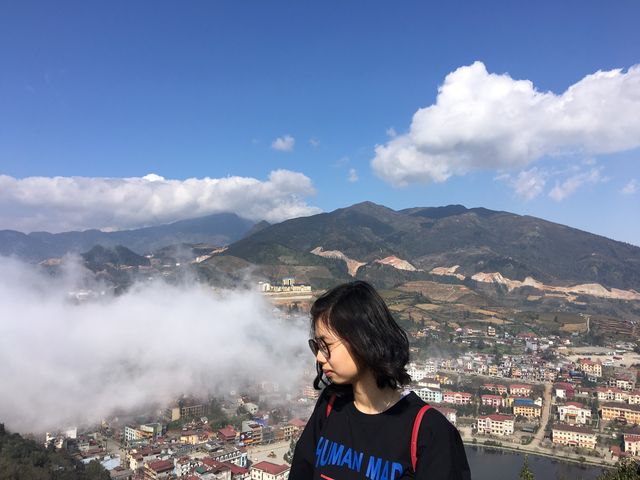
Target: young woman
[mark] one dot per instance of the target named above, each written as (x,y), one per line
(363,425)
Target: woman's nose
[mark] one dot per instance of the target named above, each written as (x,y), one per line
(320,357)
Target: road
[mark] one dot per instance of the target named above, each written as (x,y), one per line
(546,412)
(261,452)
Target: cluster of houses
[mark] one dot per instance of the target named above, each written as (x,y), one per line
(582,396)
(195,450)
(151,453)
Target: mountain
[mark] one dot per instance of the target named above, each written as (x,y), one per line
(99,256)
(218,229)
(418,240)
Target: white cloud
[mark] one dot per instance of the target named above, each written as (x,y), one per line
(314,142)
(528,184)
(489,121)
(391,132)
(353,175)
(631,187)
(569,186)
(284,144)
(58,204)
(342,161)
(63,364)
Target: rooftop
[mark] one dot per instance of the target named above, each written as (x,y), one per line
(271,468)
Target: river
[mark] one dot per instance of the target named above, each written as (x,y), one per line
(489,464)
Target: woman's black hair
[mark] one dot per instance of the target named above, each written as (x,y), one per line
(358,315)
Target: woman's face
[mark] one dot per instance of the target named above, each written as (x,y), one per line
(340,367)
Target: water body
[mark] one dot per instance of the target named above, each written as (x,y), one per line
(488,464)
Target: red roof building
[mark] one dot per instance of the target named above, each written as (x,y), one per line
(227,434)
(269,471)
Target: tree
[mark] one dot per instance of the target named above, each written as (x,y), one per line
(626,470)
(288,457)
(525,472)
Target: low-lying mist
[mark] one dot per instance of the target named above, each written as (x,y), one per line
(63,363)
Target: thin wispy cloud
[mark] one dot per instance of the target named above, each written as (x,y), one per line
(342,162)
(314,142)
(284,144)
(353,175)
(528,184)
(630,187)
(58,204)
(487,121)
(570,185)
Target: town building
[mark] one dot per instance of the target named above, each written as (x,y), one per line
(573,436)
(228,453)
(625,383)
(491,400)
(158,469)
(525,407)
(564,390)
(589,367)
(574,413)
(634,397)
(520,389)
(457,398)
(611,394)
(227,434)
(496,388)
(429,395)
(621,411)
(288,285)
(269,471)
(186,408)
(495,424)
(632,443)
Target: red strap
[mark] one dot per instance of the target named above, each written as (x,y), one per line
(332,399)
(414,435)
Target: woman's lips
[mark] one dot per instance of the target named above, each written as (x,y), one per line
(328,372)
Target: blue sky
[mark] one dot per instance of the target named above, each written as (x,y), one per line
(114,91)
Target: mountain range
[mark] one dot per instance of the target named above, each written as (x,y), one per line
(416,241)
(374,242)
(217,229)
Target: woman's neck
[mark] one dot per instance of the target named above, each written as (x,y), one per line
(371,399)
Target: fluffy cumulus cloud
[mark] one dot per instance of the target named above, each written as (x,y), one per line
(58,204)
(284,144)
(64,364)
(353,175)
(485,121)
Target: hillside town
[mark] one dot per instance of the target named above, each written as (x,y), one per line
(547,395)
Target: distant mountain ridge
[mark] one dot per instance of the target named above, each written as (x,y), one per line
(476,239)
(370,241)
(217,229)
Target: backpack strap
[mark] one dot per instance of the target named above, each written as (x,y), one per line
(414,435)
(332,399)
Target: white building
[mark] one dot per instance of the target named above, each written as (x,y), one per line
(495,424)
(429,395)
(574,413)
(269,471)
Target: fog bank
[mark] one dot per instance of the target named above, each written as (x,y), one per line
(63,364)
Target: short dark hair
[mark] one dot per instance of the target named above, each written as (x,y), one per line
(357,313)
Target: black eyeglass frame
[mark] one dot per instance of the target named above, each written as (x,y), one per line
(319,345)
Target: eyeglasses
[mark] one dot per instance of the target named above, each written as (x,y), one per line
(319,345)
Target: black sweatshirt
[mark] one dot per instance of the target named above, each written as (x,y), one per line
(349,444)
